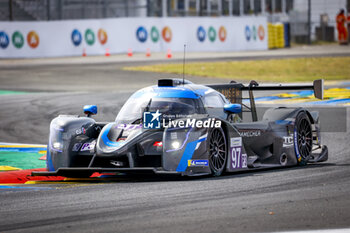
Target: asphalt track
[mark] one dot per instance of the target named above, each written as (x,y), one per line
(315,196)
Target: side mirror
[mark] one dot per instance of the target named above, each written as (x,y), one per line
(233,108)
(90,110)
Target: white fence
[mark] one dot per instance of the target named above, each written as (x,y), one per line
(73,37)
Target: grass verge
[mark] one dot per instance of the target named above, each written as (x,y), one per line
(274,70)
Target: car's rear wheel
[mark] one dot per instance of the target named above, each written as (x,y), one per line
(217,151)
(303,138)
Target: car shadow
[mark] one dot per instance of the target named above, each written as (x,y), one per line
(139,178)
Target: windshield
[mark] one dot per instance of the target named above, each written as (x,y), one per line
(169,107)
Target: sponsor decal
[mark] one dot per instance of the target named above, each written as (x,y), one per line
(167,34)
(254,32)
(76,146)
(151,120)
(198,163)
(154,34)
(296,144)
(33,39)
(102,36)
(237,141)
(158,144)
(249,133)
(4,40)
(76,37)
(81,130)
(208,123)
(261,32)
(201,34)
(141,34)
(17,39)
(128,126)
(211,34)
(288,141)
(222,33)
(89,37)
(88,146)
(244,161)
(247,33)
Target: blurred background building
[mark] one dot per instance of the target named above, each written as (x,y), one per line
(308,19)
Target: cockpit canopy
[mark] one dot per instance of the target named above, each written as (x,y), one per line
(172,102)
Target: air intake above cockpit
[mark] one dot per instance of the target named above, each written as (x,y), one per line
(172,82)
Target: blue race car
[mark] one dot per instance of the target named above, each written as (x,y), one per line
(177,127)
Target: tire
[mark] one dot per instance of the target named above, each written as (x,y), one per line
(217,146)
(302,138)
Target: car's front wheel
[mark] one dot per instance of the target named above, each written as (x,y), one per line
(217,151)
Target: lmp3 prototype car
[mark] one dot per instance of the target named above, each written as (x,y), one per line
(177,127)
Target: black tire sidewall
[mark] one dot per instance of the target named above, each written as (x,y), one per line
(301,160)
(215,172)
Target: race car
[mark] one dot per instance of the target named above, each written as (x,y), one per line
(178,127)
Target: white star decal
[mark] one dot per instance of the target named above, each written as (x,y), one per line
(156,115)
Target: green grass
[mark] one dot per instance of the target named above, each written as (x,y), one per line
(21,160)
(6,92)
(274,70)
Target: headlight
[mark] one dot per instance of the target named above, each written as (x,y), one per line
(176,140)
(175,145)
(57,145)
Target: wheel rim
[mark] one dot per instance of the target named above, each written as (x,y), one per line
(304,138)
(217,150)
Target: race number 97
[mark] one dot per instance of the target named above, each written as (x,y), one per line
(236,157)
(238,160)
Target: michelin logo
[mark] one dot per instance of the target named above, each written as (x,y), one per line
(198,163)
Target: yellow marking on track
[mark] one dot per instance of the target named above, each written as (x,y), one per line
(42,152)
(62,184)
(339,93)
(9,168)
(329,94)
(287,95)
(49,182)
(22,146)
(333,83)
(286,101)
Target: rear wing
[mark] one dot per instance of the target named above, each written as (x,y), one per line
(233,91)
